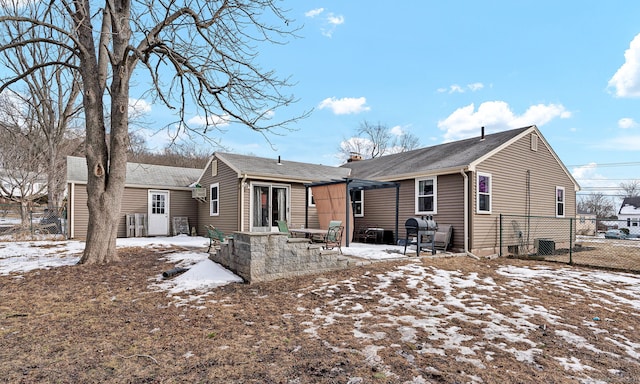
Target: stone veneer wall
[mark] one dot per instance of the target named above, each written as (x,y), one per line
(272,255)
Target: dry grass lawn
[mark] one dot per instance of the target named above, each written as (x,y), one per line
(455,320)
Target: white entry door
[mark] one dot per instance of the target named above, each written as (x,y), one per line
(158,213)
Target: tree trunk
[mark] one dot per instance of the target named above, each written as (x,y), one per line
(106,165)
(104,212)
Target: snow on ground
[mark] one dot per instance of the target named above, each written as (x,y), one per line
(461,300)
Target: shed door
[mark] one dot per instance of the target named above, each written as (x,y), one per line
(158,213)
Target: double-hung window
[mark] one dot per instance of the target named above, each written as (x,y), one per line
(483,192)
(426,196)
(214,207)
(559,201)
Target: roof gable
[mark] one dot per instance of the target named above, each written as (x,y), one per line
(278,169)
(434,159)
(630,206)
(139,174)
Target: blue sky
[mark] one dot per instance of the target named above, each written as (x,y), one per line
(441,70)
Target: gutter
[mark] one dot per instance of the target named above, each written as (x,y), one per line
(242,183)
(466,215)
(71,212)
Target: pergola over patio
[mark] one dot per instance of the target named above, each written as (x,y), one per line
(352,185)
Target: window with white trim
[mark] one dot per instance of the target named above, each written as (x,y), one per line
(310,200)
(357,202)
(483,192)
(559,201)
(214,199)
(426,196)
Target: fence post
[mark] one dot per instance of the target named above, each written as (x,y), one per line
(571,240)
(500,229)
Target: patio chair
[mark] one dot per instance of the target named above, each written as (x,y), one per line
(334,238)
(323,238)
(283,227)
(443,236)
(366,233)
(215,236)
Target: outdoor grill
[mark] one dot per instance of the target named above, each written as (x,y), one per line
(422,230)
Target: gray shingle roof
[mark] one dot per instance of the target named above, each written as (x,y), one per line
(457,154)
(289,170)
(140,174)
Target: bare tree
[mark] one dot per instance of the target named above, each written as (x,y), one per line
(631,188)
(200,52)
(22,170)
(49,92)
(598,204)
(375,140)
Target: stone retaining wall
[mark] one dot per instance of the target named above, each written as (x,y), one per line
(272,255)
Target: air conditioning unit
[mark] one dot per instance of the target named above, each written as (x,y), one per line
(198,193)
(545,246)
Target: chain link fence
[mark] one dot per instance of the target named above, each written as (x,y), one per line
(604,243)
(19,222)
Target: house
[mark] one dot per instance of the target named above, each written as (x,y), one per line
(629,214)
(156,193)
(586,222)
(248,193)
(468,184)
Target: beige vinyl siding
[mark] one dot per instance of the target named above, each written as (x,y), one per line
(229,191)
(379,206)
(134,200)
(513,170)
(451,206)
(80,212)
(181,204)
(298,208)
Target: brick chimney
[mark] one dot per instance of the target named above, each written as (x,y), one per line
(354,156)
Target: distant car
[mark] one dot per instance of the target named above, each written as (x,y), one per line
(615,234)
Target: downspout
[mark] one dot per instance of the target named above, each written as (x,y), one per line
(71,211)
(466,214)
(242,182)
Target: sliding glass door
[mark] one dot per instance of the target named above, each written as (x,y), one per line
(270,203)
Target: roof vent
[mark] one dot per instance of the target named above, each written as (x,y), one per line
(482,134)
(279,162)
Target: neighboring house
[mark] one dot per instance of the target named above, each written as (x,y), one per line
(159,192)
(629,214)
(468,184)
(21,185)
(248,193)
(585,223)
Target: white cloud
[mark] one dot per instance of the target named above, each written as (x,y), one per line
(590,180)
(329,23)
(314,12)
(626,81)
(335,20)
(626,123)
(397,130)
(138,107)
(475,86)
(496,116)
(455,88)
(345,106)
(621,143)
(211,121)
